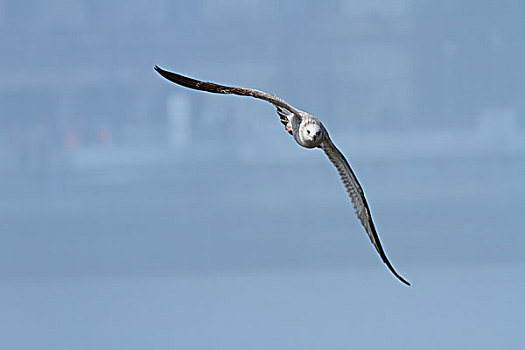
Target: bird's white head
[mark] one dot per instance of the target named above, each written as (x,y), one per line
(311,133)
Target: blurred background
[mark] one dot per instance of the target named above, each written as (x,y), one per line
(138,214)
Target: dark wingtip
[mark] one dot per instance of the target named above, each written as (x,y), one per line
(401,279)
(391,268)
(177,78)
(404,281)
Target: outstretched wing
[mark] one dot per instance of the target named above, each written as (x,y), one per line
(221,89)
(354,190)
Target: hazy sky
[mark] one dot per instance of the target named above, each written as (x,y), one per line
(136,213)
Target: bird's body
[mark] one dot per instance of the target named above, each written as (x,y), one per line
(308,132)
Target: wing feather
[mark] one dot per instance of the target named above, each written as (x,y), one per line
(355,191)
(221,89)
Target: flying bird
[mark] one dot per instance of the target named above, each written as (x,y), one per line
(308,132)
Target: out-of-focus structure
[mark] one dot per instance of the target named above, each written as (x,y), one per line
(77,79)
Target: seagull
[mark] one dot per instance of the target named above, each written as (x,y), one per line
(308,132)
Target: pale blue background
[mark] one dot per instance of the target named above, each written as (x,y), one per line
(136,214)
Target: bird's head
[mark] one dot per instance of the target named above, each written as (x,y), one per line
(311,133)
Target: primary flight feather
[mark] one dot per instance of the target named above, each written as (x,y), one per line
(308,132)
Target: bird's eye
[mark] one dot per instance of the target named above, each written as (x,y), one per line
(308,131)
